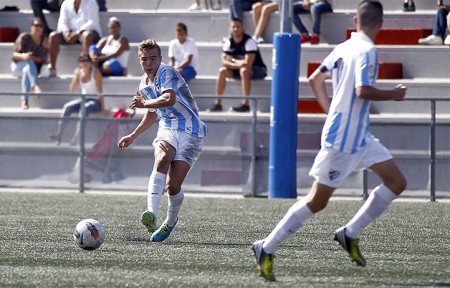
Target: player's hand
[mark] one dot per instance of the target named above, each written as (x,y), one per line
(400,92)
(138,101)
(125,141)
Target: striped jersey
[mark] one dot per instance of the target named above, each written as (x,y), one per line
(353,63)
(183,116)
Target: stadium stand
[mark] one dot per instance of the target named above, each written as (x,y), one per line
(226,157)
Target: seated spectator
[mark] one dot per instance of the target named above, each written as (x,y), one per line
(183,53)
(441,24)
(197,6)
(111,52)
(261,14)
(78,23)
(50,5)
(242,60)
(90,81)
(237,8)
(316,8)
(30,52)
(409,6)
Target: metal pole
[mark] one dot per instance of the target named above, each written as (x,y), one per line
(286,16)
(433,152)
(82,140)
(253,149)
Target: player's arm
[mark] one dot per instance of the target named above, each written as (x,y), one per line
(146,122)
(375,94)
(167,99)
(317,83)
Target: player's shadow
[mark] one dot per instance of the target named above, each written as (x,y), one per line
(381,283)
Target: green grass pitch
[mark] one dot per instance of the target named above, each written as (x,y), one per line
(409,246)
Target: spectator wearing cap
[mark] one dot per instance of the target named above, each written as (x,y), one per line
(78,23)
(183,53)
(111,52)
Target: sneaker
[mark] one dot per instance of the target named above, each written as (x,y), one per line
(162,233)
(447,40)
(194,7)
(217,7)
(264,261)
(52,72)
(25,105)
(305,38)
(315,39)
(431,40)
(242,108)
(409,6)
(350,245)
(215,108)
(148,219)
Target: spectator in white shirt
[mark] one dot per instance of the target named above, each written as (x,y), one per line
(183,53)
(78,23)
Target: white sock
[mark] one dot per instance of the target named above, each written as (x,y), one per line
(378,201)
(291,222)
(156,184)
(174,207)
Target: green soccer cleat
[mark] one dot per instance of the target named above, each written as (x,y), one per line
(351,246)
(148,219)
(162,233)
(264,261)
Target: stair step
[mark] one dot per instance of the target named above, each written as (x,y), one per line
(403,36)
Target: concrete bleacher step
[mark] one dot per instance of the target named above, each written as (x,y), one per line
(395,36)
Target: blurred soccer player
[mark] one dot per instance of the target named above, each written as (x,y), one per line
(347,145)
(179,140)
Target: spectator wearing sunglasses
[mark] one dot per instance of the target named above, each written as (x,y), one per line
(30,52)
(89,80)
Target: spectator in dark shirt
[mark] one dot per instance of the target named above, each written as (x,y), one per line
(242,60)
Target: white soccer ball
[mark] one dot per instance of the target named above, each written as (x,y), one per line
(89,234)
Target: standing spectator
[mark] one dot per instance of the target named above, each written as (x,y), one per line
(237,8)
(242,60)
(409,6)
(316,8)
(50,5)
(261,14)
(30,52)
(90,81)
(197,6)
(78,23)
(179,141)
(347,145)
(183,53)
(111,52)
(441,24)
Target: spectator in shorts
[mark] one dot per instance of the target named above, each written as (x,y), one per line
(183,53)
(237,8)
(261,14)
(316,8)
(111,52)
(30,52)
(78,23)
(242,60)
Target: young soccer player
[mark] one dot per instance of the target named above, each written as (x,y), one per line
(178,142)
(347,145)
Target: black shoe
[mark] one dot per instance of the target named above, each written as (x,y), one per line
(409,6)
(215,108)
(242,108)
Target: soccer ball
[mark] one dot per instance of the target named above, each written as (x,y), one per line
(89,234)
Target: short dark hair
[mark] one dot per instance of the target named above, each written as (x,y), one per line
(369,13)
(182,26)
(235,19)
(149,44)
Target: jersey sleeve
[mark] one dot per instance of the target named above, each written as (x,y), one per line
(251,46)
(365,68)
(169,79)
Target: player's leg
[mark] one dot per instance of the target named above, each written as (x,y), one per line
(164,153)
(380,197)
(316,200)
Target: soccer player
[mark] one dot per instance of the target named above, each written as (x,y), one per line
(347,145)
(178,142)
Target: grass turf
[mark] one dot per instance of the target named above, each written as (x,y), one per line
(408,246)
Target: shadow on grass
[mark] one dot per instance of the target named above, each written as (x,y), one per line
(382,283)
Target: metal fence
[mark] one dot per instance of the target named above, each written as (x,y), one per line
(253,151)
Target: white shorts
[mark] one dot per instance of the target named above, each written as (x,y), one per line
(331,167)
(188,147)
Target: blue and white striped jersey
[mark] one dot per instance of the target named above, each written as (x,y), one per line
(183,116)
(353,63)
